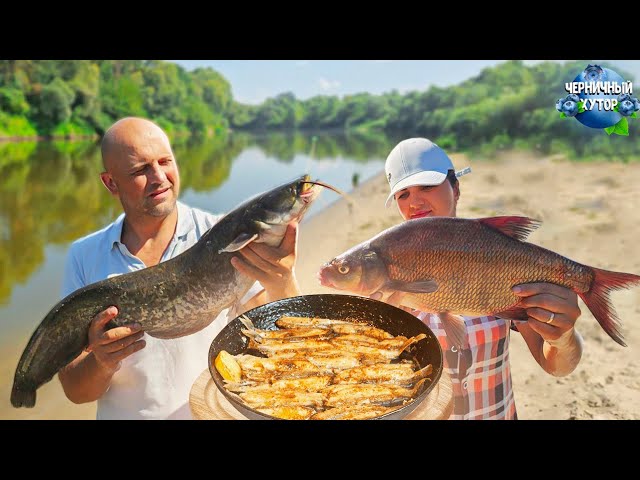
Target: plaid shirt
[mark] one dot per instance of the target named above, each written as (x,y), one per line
(480,373)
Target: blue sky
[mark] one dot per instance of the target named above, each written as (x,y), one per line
(253,81)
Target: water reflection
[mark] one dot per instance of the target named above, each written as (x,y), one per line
(48,195)
(284,146)
(50,192)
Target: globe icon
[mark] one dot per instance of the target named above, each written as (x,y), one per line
(598,118)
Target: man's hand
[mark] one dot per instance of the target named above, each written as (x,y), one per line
(552,309)
(110,347)
(273,267)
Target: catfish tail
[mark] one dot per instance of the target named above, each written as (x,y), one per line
(23,397)
(598,302)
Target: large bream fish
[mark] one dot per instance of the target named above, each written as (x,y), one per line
(457,266)
(172,299)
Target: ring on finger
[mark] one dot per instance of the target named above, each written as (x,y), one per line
(553,314)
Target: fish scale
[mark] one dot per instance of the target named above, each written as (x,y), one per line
(461,256)
(460,266)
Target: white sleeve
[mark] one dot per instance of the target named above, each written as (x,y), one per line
(232,312)
(255,289)
(72,279)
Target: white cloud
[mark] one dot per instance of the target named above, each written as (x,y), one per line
(328,84)
(302,63)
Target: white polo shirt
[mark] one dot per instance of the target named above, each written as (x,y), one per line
(153,383)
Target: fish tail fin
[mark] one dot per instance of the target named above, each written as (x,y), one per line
(250,330)
(423,372)
(252,335)
(246,321)
(417,386)
(455,329)
(241,386)
(598,302)
(516,313)
(23,397)
(411,341)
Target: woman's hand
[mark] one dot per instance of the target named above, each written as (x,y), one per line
(552,309)
(550,331)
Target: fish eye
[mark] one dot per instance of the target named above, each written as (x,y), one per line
(343,269)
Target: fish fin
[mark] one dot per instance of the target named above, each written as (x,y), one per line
(236,397)
(240,386)
(418,386)
(515,313)
(423,372)
(514,227)
(246,321)
(22,397)
(597,299)
(251,334)
(239,242)
(411,341)
(455,328)
(425,286)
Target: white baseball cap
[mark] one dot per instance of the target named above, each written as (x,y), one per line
(417,161)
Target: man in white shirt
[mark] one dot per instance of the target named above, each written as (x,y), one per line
(133,375)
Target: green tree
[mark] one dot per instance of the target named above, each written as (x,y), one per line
(53,104)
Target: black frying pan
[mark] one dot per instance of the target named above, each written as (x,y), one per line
(340,307)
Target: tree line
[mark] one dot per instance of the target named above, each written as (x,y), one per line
(505,106)
(83,97)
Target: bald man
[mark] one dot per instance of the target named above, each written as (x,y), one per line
(133,375)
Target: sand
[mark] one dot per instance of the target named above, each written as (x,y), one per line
(590,213)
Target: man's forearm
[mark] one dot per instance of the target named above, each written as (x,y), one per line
(84,380)
(563,355)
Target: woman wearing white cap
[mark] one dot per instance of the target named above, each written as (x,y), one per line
(423,182)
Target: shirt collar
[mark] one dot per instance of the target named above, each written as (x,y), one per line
(185,225)
(185,221)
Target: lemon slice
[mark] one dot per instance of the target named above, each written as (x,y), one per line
(228,367)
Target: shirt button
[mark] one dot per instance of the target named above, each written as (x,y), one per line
(464,384)
(454,349)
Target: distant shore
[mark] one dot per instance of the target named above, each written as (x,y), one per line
(44,138)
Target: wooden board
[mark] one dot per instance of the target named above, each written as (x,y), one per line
(208,403)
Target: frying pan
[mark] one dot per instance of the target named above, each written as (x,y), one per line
(339,307)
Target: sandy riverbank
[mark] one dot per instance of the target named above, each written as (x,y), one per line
(590,213)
